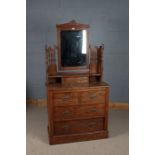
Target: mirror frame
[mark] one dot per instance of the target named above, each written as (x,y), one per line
(72,25)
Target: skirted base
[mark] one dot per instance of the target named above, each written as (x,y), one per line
(58,139)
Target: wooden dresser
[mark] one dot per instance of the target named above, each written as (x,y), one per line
(77,112)
(77,97)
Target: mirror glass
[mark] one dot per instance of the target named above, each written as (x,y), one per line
(73,48)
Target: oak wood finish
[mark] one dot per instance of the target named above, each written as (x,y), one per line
(96,60)
(51,67)
(77,110)
(67,138)
(73,80)
(79,126)
(77,101)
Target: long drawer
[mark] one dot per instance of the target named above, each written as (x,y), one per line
(79,126)
(77,112)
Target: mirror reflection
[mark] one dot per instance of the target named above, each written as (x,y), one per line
(73,48)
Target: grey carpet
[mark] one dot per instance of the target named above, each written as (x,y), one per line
(37,138)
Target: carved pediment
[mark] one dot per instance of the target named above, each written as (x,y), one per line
(73,24)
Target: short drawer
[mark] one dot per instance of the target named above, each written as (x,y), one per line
(77,112)
(80,126)
(93,97)
(65,98)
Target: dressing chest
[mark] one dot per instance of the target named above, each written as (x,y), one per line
(77,97)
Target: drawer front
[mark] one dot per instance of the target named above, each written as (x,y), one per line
(93,97)
(80,126)
(70,80)
(77,112)
(65,98)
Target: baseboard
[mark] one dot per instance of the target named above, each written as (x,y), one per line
(112,105)
(119,105)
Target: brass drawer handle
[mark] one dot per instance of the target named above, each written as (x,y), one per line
(66,127)
(93,110)
(66,97)
(93,96)
(66,113)
(92,124)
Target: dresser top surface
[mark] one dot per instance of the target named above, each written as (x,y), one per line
(77,86)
